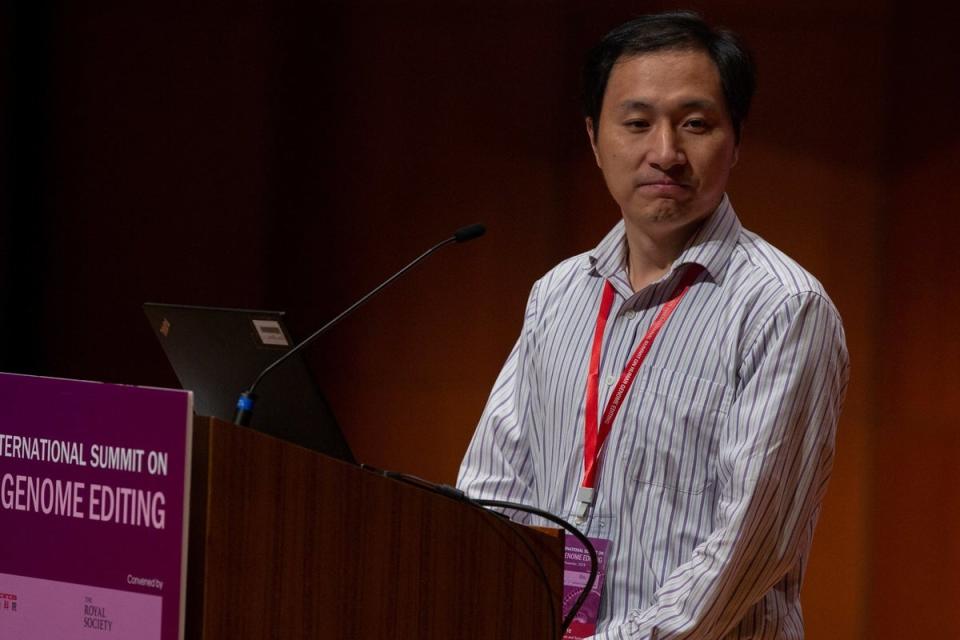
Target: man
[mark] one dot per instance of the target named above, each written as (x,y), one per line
(676,390)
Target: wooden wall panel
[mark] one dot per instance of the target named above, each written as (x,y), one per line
(915,573)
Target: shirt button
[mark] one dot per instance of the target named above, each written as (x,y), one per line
(629,314)
(610,379)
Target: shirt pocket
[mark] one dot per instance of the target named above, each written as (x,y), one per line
(677,416)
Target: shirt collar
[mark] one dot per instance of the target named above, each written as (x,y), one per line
(710,246)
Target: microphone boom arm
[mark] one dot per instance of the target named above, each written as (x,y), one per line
(248,398)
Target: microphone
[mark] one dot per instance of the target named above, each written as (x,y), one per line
(467,233)
(248,399)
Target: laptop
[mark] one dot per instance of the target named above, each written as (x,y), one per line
(217,353)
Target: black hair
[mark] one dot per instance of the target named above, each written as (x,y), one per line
(677,30)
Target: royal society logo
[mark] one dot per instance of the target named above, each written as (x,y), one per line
(95,616)
(8,603)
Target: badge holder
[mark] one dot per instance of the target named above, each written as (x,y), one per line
(576,570)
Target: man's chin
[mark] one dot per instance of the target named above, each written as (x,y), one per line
(664,211)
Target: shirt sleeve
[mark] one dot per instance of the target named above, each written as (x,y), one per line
(775,456)
(497,464)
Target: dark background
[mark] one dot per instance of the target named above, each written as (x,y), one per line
(290,155)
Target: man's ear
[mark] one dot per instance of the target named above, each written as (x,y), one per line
(591,134)
(736,148)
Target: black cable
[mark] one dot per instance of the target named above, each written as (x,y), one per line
(594,562)
(456,494)
(536,561)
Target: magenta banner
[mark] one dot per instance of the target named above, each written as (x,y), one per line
(94,480)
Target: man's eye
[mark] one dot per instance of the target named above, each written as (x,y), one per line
(697,124)
(637,124)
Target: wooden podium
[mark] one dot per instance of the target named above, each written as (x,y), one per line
(288,543)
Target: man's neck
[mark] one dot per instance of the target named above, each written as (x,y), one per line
(650,255)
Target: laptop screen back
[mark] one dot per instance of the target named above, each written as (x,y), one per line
(217,353)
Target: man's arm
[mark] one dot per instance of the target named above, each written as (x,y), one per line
(775,457)
(497,464)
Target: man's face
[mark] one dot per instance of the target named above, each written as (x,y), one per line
(665,142)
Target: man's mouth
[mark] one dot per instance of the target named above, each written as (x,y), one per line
(664,187)
(662,182)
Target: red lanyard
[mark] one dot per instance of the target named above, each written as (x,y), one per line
(594,435)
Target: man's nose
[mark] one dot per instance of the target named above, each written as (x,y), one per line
(665,151)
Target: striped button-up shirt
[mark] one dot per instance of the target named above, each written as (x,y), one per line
(711,480)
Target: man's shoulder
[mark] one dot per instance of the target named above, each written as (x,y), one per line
(570,276)
(770,291)
(568,271)
(568,283)
(584,269)
(757,263)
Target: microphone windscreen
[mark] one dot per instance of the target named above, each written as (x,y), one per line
(469,232)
